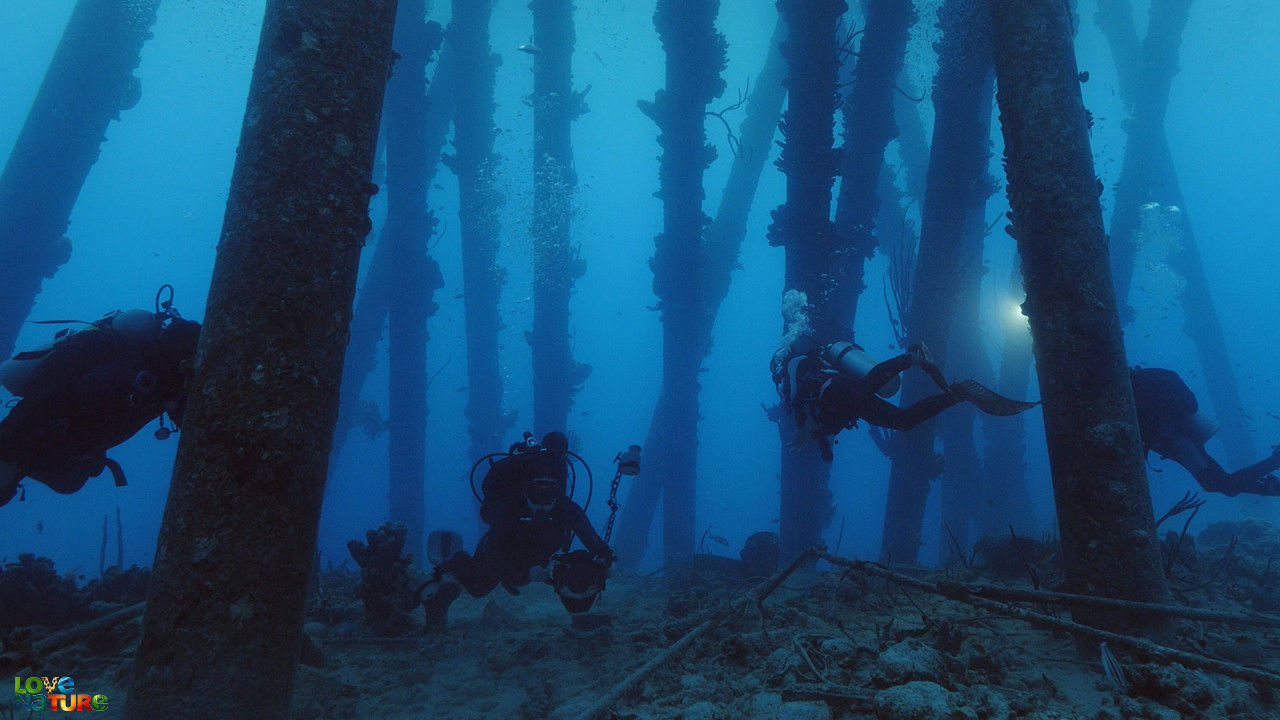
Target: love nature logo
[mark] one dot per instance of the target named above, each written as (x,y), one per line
(54,693)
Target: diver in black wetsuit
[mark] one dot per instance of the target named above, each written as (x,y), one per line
(89,391)
(830,387)
(1171,424)
(532,523)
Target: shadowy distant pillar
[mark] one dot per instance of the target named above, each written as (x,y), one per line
(695,58)
(950,256)
(723,241)
(1006,497)
(963,476)
(224,617)
(971,103)
(1146,87)
(373,302)
(1202,324)
(479,202)
(1146,73)
(869,126)
(88,84)
(556,263)
(414,276)
(802,226)
(1099,479)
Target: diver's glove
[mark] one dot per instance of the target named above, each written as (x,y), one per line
(606,562)
(923,359)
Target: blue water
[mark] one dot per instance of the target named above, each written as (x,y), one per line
(152,207)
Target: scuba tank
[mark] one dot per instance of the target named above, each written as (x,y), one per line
(1201,427)
(849,358)
(16,372)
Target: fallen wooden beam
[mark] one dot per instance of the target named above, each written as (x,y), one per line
(16,660)
(622,687)
(1158,653)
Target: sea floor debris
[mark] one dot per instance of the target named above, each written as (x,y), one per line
(832,645)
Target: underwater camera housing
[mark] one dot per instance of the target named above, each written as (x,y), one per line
(577,579)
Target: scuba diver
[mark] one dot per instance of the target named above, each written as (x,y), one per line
(1171,424)
(830,387)
(525,500)
(91,389)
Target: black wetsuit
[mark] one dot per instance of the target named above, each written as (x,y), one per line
(519,537)
(1166,408)
(817,393)
(94,390)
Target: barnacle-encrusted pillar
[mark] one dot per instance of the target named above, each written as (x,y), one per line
(414,275)
(868,114)
(479,201)
(224,618)
(695,58)
(803,226)
(1095,453)
(556,263)
(948,268)
(373,302)
(723,240)
(88,84)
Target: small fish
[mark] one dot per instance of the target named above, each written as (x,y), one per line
(530,48)
(39,526)
(719,539)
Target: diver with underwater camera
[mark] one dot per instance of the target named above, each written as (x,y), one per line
(526,499)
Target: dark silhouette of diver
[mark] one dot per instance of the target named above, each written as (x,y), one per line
(90,390)
(828,388)
(532,523)
(1172,426)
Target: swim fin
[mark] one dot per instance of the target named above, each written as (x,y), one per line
(988,400)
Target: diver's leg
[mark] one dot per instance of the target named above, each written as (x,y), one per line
(883,372)
(887,415)
(476,574)
(460,571)
(1257,479)
(436,605)
(1200,464)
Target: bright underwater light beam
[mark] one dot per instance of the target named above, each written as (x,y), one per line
(1015,321)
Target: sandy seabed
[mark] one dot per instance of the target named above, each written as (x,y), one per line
(831,646)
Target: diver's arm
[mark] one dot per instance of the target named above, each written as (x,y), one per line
(578,522)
